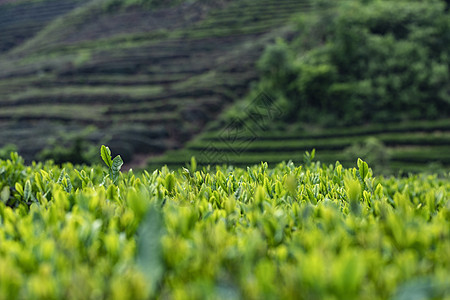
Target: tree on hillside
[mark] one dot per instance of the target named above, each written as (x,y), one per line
(374,61)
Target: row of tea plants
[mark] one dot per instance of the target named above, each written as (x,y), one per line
(288,232)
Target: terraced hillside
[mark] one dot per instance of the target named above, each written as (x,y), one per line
(145,80)
(22,20)
(348,67)
(413,146)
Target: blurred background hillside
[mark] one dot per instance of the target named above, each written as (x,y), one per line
(227,81)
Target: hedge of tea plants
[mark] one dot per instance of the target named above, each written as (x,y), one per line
(307,231)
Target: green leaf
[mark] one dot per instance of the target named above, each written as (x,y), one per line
(138,202)
(193,164)
(260,196)
(27,191)
(5,194)
(61,176)
(291,185)
(363,168)
(19,188)
(353,188)
(67,184)
(112,193)
(106,155)
(170,182)
(379,191)
(38,182)
(116,164)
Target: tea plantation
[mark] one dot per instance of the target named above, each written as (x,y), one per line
(365,79)
(391,148)
(160,81)
(144,77)
(310,231)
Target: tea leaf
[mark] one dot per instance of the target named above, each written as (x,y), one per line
(116,165)
(27,191)
(363,168)
(5,194)
(105,153)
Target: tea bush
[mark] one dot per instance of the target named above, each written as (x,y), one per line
(288,232)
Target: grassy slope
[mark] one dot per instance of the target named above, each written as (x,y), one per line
(159,75)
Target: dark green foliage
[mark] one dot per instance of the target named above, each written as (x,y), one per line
(276,63)
(373,151)
(374,61)
(76,153)
(114,165)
